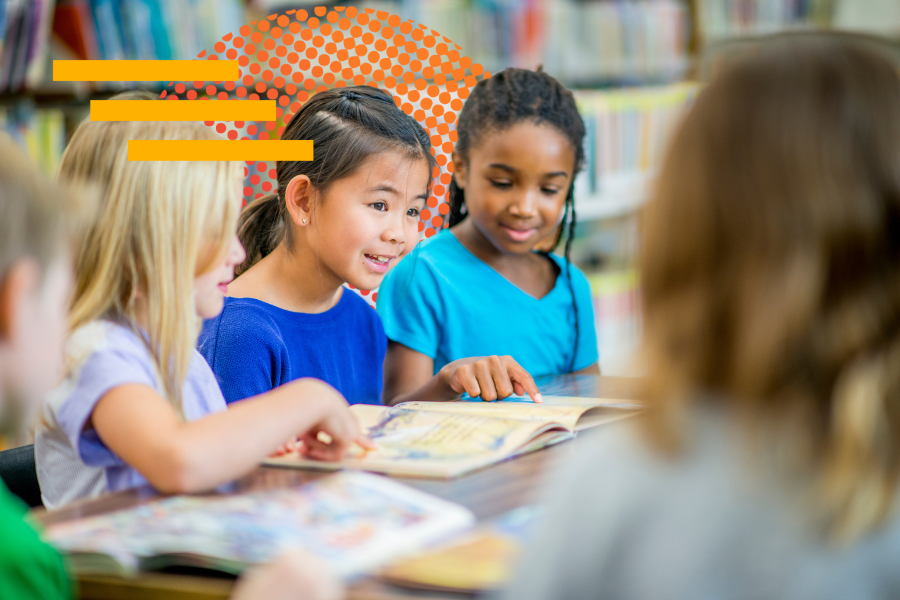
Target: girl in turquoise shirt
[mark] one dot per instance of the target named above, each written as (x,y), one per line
(488,285)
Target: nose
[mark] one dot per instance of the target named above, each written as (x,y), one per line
(395,231)
(525,205)
(236,252)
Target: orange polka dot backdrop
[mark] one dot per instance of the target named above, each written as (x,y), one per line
(289,57)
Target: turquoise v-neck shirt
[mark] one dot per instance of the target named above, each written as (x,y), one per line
(448,304)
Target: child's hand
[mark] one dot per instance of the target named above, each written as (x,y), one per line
(295,574)
(491,377)
(336,430)
(290,446)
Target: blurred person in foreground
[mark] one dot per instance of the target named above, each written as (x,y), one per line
(39,225)
(767,465)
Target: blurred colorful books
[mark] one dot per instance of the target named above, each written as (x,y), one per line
(355,522)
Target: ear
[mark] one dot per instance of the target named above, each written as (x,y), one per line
(299,197)
(459,170)
(16,289)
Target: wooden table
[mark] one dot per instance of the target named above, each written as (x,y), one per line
(488,493)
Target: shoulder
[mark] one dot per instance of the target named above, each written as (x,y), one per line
(431,266)
(103,336)
(434,255)
(242,322)
(579,280)
(106,343)
(359,307)
(615,453)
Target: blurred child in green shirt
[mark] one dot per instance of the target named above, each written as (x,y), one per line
(35,280)
(38,223)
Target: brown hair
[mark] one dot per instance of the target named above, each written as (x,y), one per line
(346,126)
(38,219)
(771,264)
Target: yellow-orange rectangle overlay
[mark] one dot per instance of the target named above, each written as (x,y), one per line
(220,150)
(146,70)
(187,110)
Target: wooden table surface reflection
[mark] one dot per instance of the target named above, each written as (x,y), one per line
(488,493)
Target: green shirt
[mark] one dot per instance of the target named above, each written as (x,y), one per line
(29,568)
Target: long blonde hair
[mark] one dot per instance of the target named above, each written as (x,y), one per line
(159,225)
(771,266)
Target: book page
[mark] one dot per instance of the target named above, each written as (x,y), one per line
(565,415)
(565,410)
(354,521)
(478,561)
(427,443)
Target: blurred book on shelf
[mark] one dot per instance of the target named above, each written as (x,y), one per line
(42,132)
(581,43)
(34,32)
(627,132)
(723,20)
(617,314)
(24,27)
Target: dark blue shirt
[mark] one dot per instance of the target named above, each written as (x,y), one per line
(254,347)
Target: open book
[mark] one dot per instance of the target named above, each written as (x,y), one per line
(447,439)
(356,522)
(479,560)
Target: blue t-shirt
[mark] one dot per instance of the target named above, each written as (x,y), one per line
(254,347)
(448,304)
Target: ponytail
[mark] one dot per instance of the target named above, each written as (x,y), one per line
(261,228)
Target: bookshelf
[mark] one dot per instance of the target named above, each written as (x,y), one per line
(627,61)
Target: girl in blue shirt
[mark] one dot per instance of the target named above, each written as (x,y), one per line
(344,217)
(485,286)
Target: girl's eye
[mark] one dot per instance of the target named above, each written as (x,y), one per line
(551,191)
(413,212)
(501,184)
(380,206)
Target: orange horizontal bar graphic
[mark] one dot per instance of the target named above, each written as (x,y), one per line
(169,150)
(146,70)
(156,110)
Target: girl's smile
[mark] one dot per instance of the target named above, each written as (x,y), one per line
(518,234)
(379,263)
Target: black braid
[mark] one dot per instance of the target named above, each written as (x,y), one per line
(508,98)
(570,234)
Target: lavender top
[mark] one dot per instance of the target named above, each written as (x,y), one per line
(73,463)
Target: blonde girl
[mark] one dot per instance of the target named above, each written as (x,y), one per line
(771,284)
(139,404)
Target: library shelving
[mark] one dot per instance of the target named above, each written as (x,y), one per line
(627,60)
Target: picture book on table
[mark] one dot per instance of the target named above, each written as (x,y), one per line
(448,439)
(356,522)
(481,560)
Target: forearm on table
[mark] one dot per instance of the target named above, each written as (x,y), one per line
(229,444)
(199,455)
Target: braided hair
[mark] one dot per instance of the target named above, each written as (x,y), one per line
(504,100)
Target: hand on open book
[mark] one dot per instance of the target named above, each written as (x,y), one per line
(292,445)
(335,431)
(490,377)
(295,574)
